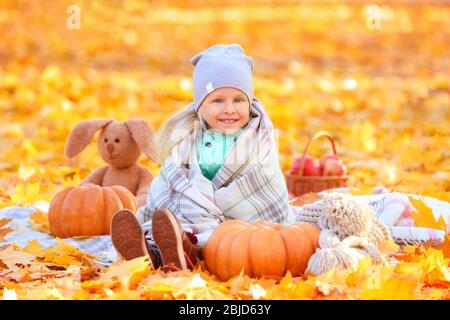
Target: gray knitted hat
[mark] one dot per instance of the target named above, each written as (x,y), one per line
(221,66)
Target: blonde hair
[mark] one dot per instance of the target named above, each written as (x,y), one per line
(175,129)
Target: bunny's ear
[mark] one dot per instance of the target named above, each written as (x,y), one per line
(82,134)
(143,135)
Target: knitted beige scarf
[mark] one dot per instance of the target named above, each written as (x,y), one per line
(350,231)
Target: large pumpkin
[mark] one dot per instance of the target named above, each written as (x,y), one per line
(260,249)
(87,210)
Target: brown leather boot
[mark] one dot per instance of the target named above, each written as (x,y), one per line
(178,248)
(191,248)
(128,238)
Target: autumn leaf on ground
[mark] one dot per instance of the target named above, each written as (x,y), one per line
(183,286)
(446,247)
(436,265)
(26,194)
(444,196)
(398,287)
(423,216)
(62,254)
(9,294)
(4,230)
(39,221)
(288,289)
(11,256)
(365,190)
(129,273)
(25,172)
(35,248)
(306,198)
(388,247)
(4,221)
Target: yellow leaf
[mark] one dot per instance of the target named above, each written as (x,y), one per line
(306,198)
(361,191)
(423,216)
(39,221)
(446,247)
(35,248)
(444,196)
(4,231)
(395,287)
(65,254)
(11,256)
(27,194)
(437,267)
(129,273)
(25,172)
(388,246)
(4,221)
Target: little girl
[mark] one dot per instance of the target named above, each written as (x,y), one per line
(219,161)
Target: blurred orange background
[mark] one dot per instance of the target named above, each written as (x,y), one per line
(373,73)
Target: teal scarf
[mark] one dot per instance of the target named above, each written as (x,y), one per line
(212,149)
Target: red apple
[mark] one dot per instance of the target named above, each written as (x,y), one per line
(311,168)
(296,166)
(330,157)
(333,167)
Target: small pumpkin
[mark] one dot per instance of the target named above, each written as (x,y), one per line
(260,249)
(87,210)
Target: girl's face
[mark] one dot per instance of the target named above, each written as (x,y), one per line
(226,110)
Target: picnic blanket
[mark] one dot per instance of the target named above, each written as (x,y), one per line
(394,209)
(100,246)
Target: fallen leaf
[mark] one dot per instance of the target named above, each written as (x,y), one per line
(4,221)
(35,248)
(128,273)
(4,231)
(306,198)
(423,216)
(39,222)
(66,255)
(446,247)
(11,257)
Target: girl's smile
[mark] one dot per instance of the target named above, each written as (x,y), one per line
(229,121)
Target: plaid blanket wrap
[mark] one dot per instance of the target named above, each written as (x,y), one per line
(249,186)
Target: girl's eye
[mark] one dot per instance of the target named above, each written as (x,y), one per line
(106,140)
(218,100)
(239,100)
(117,141)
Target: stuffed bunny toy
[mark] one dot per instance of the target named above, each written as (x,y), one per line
(120,145)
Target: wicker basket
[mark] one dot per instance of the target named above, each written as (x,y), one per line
(299,184)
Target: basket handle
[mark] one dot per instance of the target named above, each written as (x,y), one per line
(313,138)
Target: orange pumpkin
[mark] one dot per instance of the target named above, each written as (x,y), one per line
(260,249)
(87,210)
